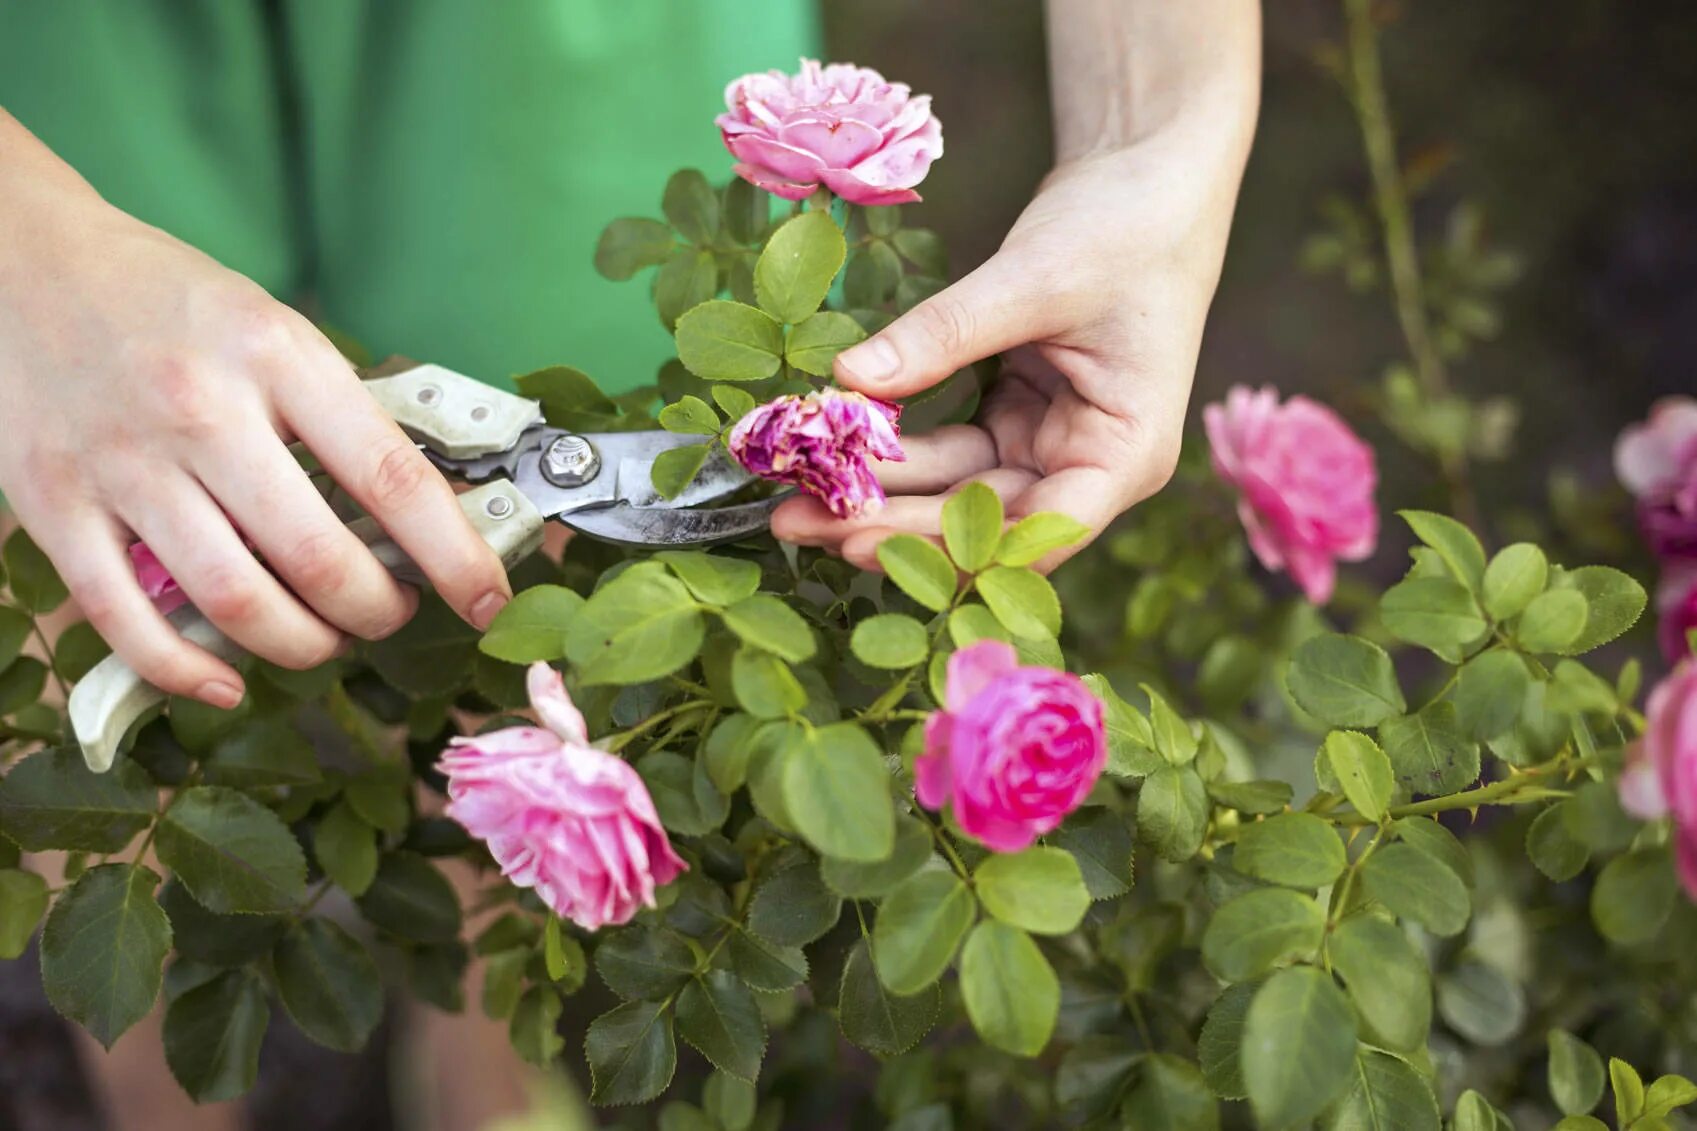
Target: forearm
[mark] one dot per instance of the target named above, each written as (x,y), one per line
(1124,70)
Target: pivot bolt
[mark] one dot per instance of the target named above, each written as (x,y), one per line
(570,461)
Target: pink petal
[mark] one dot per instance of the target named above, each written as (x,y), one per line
(838,144)
(975,667)
(553,705)
(932,775)
(772,183)
(786,161)
(851,188)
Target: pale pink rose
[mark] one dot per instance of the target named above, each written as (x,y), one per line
(1305,483)
(1657,461)
(574,823)
(1676,609)
(824,443)
(1014,749)
(1661,771)
(867,140)
(156,581)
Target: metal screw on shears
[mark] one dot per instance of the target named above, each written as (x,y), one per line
(499,507)
(570,461)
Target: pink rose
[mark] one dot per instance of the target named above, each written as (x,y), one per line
(1657,461)
(573,822)
(1676,609)
(156,581)
(1661,771)
(867,140)
(1305,483)
(823,443)
(1016,749)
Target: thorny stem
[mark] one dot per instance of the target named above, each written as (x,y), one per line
(624,738)
(1497,792)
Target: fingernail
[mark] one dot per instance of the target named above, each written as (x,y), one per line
(224,696)
(484,610)
(874,361)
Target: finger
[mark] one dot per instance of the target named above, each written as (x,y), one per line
(938,460)
(259,484)
(995,308)
(91,554)
(1090,494)
(372,459)
(193,539)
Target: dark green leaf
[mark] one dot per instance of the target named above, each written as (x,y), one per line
(1428,751)
(1251,797)
(213,1033)
(876,1019)
(1172,812)
(35,583)
(1481,1003)
(1131,740)
(23,901)
(692,206)
(1489,695)
(1345,681)
(717,1014)
(1100,840)
(1414,885)
(1634,896)
(1297,850)
(410,898)
(644,963)
(268,751)
(1387,979)
(534,1026)
(628,245)
(15,628)
(51,800)
(346,848)
(1261,929)
(923,248)
(103,949)
(1552,845)
(767,966)
(813,344)
(1170,1095)
(631,1053)
(203,937)
(1384,1094)
(1219,1048)
(794,907)
(566,392)
(329,984)
(233,854)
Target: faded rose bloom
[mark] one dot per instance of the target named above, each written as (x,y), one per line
(1305,483)
(1015,749)
(559,816)
(156,581)
(1676,609)
(1661,771)
(867,140)
(823,443)
(1657,461)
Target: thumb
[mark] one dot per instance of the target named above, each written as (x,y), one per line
(991,310)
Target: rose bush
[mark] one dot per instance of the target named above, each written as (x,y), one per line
(1264,865)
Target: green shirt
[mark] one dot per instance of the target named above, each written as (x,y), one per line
(431,174)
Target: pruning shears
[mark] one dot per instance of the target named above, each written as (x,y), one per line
(599,484)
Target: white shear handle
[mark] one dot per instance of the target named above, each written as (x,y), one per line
(107,701)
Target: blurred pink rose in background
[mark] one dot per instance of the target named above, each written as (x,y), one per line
(574,823)
(1657,461)
(1305,483)
(1676,609)
(867,140)
(1661,771)
(1014,750)
(823,443)
(156,581)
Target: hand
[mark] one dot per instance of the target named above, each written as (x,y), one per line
(1098,295)
(151,394)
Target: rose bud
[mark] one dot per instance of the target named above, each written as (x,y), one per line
(1657,461)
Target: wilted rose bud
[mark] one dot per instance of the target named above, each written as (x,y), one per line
(823,443)
(1657,461)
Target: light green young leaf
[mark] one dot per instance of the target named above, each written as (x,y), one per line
(837,791)
(812,345)
(1387,978)
(676,468)
(641,626)
(1362,770)
(1040,890)
(1454,542)
(23,901)
(346,848)
(891,641)
(1515,576)
(1298,1046)
(532,626)
(796,268)
(1035,536)
(1172,812)
(765,621)
(1296,850)
(1260,929)
(1628,1090)
(1614,601)
(1131,740)
(919,926)
(919,569)
(1634,896)
(1384,1094)
(764,684)
(1174,740)
(871,880)
(728,341)
(1552,621)
(713,578)
(735,403)
(1576,1075)
(1022,600)
(1345,681)
(1414,885)
(1433,612)
(690,415)
(1010,991)
(972,526)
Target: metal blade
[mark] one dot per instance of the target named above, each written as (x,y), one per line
(634,526)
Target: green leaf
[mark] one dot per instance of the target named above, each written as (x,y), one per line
(268,751)
(1036,536)
(727,341)
(1174,740)
(1428,752)
(35,583)
(1219,1047)
(346,848)
(1490,694)
(856,880)
(1296,850)
(232,853)
(23,901)
(503,982)
(919,569)
(1433,612)
(1040,890)
(1414,885)
(1667,1093)
(1614,602)
(735,403)
(690,415)
(431,656)
(77,650)
(1575,1073)
(1387,979)
(717,1014)
(1251,797)
(21,684)
(1515,576)
(890,640)
(797,266)
(1344,681)
(1554,847)
(683,793)
(923,248)
(1628,1089)
(628,245)
(692,206)
(641,626)
(767,966)
(533,1029)
(794,907)
(632,1054)
(644,963)
(1430,837)
(1298,1046)
(813,344)
(1473,1112)
(1384,1094)
(1172,812)
(972,526)
(877,1020)
(837,791)
(1260,929)
(566,392)
(200,936)
(1101,843)
(1010,991)
(713,578)
(919,926)
(329,984)
(676,468)
(410,898)
(873,274)
(213,1033)
(766,622)
(1170,1095)
(1131,740)
(103,949)
(1022,599)
(1455,544)
(1634,896)
(1362,770)
(1580,1123)
(15,628)
(1481,1003)
(765,686)
(1552,622)
(746,211)
(52,801)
